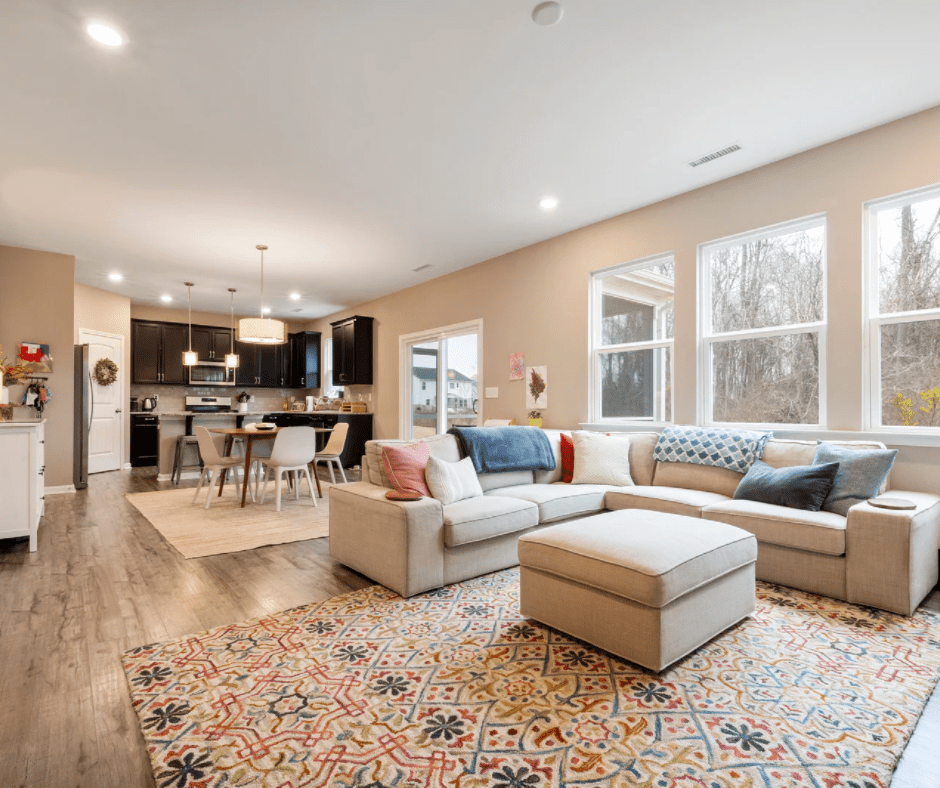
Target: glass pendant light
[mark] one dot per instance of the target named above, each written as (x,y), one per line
(190,359)
(262,330)
(231,358)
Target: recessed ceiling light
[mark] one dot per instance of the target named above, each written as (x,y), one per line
(115,277)
(546,14)
(295,296)
(265,310)
(166,298)
(105,35)
(548,203)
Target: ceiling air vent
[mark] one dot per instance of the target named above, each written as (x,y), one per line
(421,267)
(716,155)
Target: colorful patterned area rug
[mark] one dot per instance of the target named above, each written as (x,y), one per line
(455,688)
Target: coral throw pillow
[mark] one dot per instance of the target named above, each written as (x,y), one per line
(405,466)
(567,458)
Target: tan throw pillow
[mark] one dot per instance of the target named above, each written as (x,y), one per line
(601,459)
(452,481)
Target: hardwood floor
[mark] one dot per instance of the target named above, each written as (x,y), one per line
(104,581)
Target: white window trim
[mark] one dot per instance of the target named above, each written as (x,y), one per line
(874,320)
(404,371)
(706,340)
(595,349)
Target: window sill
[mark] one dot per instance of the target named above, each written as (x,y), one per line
(888,437)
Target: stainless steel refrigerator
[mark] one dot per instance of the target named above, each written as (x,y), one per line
(84,400)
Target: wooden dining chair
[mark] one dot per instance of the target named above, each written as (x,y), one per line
(213,461)
(293,451)
(332,450)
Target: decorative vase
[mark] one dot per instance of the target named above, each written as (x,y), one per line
(535,422)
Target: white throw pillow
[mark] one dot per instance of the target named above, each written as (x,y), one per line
(452,481)
(601,459)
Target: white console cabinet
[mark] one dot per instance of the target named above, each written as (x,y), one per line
(22,469)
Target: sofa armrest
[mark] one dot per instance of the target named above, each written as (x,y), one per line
(891,554)
(396,543)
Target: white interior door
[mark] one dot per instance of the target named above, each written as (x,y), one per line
(107,416)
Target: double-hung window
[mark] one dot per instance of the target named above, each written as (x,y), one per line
(762,329)
(631,340)
(903,267)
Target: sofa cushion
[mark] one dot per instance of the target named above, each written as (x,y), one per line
(697,477)
(816,532)
(554,475)
(649,557)
(443,447)
(674,500)
(642,464)
(559,501)
(494,481)
(779,453)
(476,519)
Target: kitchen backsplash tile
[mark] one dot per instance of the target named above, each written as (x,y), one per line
(174,397)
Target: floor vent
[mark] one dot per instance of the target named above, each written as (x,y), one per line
(716,155)
(421,267)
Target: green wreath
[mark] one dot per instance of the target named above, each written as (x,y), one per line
(106,372)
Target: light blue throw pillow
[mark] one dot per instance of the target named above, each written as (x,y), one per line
(861,474)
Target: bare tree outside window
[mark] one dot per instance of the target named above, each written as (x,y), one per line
(632,341)
(905,251)
(766,316)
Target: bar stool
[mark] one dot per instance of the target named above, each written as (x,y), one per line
(180,454)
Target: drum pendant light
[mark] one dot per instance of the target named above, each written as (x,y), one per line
(190,359)
(262,330)
(231,358)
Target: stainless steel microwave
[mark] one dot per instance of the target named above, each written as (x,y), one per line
(211,373)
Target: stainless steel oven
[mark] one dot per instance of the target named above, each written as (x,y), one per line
(211,373)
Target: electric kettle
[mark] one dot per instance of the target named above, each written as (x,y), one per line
(148,403)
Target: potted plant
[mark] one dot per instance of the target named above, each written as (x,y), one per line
(535,418)
(10,374)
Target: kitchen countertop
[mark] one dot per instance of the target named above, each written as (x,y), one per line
(231,413)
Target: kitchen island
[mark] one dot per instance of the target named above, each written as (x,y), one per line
(174,423)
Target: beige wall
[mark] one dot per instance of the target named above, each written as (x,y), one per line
(37,305)
(99,310)
(535,300)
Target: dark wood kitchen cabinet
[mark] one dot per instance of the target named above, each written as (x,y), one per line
(157,352)
(247,372)
(265,366)
(304,366)
(212,344)
(352,351)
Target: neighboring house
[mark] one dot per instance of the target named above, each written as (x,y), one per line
(461,390)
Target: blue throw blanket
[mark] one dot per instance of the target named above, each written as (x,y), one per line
(498,449)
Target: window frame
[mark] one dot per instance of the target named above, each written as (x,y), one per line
(405,392)
(596,348)
(707,339)
(874,320)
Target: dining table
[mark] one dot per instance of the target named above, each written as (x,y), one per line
(250,435)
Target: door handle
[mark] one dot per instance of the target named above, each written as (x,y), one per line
(117,410)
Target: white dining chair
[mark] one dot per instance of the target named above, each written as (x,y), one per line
(213,461)
(293,451)
(332,450)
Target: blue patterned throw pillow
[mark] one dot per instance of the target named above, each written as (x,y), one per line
(861,474)
(736,450)
(796,486)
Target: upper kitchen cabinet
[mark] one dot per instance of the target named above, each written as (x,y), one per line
(305,360)
(352,351)
(157,352)
(212,344)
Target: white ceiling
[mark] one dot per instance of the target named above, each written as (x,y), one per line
(360,140)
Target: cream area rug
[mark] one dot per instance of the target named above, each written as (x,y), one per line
(227,528)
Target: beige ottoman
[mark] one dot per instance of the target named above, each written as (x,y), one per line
(647,586)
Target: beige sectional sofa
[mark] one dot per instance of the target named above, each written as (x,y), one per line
(878,557)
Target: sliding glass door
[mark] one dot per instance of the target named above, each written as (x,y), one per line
(440,380)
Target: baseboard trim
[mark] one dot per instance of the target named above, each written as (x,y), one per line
(167,477)
(128,466)
(62,488)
